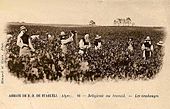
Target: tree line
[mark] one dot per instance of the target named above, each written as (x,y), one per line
(118,22)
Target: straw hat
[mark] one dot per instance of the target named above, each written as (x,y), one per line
(23,28)
(148,38)
(62,33)
(160,43)
(97,37)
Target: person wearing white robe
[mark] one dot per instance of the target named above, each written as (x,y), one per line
(147,48)
(64,42)
(84,44)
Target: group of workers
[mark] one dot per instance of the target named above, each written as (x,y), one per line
(24,42)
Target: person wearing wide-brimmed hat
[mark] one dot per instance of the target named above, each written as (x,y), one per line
(147,48)
(24,42)
(160,43)
(97,42)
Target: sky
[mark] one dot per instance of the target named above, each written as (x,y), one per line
(103,12)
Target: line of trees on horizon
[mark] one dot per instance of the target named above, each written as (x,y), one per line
(118,22)
(124,22)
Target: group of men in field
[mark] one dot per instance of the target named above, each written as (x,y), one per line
(24,42)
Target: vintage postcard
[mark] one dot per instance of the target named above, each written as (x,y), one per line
(95,54)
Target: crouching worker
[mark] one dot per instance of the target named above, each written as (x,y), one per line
(147,48)
(24,42)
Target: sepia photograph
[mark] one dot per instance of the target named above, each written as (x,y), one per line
(108,46)
(84,53)
(92,54)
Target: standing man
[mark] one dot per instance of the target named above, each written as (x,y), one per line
(64,41)
(24,42)
(147,48)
